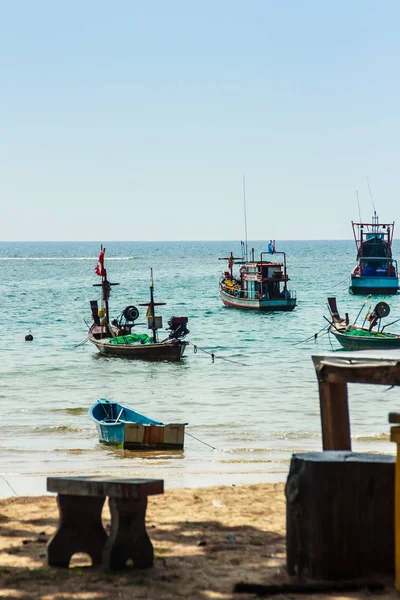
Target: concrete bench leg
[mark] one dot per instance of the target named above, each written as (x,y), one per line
(128,537)
(79,530)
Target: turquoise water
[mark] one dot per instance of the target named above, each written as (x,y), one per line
(255,409)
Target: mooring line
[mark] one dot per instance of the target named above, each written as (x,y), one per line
(213,356)
(205,443)
(9,484)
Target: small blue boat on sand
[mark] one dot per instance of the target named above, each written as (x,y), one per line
(121,426)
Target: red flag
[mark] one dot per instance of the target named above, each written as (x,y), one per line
(99,269)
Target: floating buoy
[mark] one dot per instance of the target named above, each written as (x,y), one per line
(28,337)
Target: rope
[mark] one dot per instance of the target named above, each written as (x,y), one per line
(340,283)
(312,337)
(330,339)
(81,343)
(205,443)
(9,484)
(213,357)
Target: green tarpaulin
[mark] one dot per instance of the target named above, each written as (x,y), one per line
(132,338)
(374,334)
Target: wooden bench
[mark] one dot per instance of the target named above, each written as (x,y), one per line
(81,500)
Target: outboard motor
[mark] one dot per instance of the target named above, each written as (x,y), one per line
(177,327)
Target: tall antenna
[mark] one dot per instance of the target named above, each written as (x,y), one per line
(245,217)
(359,209)
(370,195)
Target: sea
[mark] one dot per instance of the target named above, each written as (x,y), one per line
(247,411)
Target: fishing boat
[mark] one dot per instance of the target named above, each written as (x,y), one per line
(117,338)
(376,271)
(371,335)
(121,426)
(260,285)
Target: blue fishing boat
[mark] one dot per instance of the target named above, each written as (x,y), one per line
(121,426)
(376,270)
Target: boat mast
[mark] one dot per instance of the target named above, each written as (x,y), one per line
(150,310)
(245,218)
(374,218)
(151,306)
(105,288)
(359,209)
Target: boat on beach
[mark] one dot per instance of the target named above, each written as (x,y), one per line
(376,271)
(121,426)
(117,338)
(260,285)
(365,337)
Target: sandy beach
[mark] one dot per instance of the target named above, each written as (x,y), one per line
(205,541)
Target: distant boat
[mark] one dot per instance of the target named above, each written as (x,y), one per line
(376,270)
(365,337)
(116,338)
(121,426)
(260,285)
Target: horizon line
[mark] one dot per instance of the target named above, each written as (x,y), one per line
(171,241)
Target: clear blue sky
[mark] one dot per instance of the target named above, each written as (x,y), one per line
(136,120)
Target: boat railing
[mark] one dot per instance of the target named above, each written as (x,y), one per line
(290,295)
(377,258)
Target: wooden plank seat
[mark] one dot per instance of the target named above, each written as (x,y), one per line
(80,501)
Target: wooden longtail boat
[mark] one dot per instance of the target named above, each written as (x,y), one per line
(116,338)
(121,426)
(260,285)
(353,337)
(376,270)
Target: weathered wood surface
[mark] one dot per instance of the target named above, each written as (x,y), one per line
(103,486)
(335,420)
(128,536)
(80,501)
(395,437)
(169,436)
(308,588)
(340,515)
(79,530)
(380,374)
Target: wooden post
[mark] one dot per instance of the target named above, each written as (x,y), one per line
(335,421)
(395,437)
(340,515)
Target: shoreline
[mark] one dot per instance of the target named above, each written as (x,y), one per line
(18,486)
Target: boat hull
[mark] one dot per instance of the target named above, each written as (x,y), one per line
(350,342)
(169,351)
(117,425)
(264,305)
(374,285)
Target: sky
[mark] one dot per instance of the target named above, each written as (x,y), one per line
(138,120)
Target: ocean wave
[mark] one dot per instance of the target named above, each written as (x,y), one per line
(372,437)
(63,258)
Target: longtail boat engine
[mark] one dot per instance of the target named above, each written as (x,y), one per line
(126,320)
(177,327)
